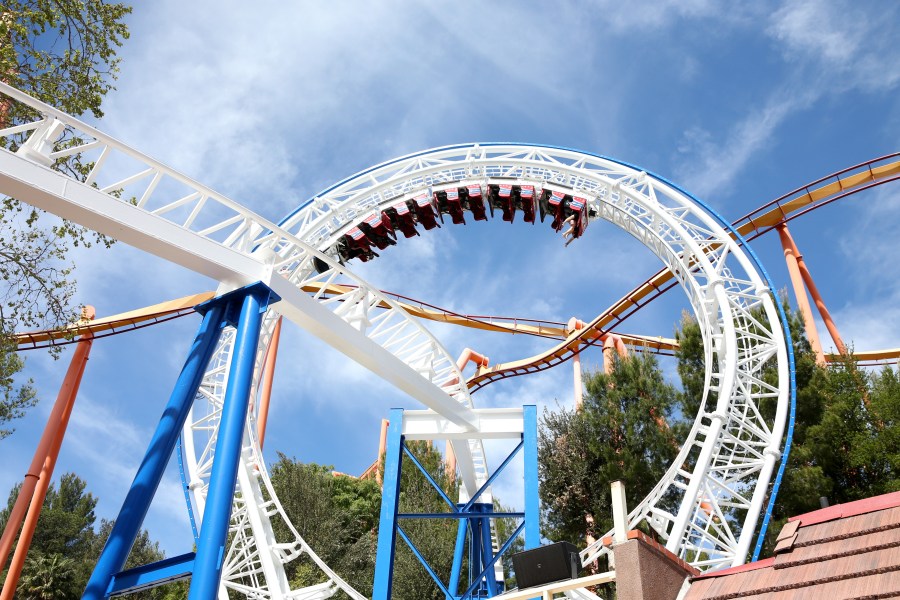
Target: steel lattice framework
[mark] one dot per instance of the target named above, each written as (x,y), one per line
(706,506)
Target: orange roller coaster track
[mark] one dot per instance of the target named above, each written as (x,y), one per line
(764,219)
(790,206)
(113,325)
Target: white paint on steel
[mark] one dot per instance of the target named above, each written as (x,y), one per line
(181,220)
(731,448)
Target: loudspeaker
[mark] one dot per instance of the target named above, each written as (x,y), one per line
(539,566)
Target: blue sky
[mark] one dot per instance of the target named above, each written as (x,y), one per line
(273,102)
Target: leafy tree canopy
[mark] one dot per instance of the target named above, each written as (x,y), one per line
(64,53)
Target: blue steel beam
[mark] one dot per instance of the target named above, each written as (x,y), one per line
(532,504)
(150,472)
(424,562)
(153,575)
(390,500)
(254,300)
(429,478)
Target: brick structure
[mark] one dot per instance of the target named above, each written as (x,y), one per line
(647,571)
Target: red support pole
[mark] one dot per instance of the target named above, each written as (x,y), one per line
(574,325)
(468,355)
(34,488)
(578,384)
(820,305)
(612,344)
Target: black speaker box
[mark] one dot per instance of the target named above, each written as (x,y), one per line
(539,566)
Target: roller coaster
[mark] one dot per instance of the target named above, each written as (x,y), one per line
(725,477)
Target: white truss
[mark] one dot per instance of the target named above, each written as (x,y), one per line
(720,477)
(181,220)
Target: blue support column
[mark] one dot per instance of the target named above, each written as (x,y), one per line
(474,519)
(458,552)
(217,513)
(390,500)
(532,506)
(487,551)
(151,470)
(474,553)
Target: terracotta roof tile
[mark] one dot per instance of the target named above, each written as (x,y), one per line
(789,529)
(841,578)
(845,552)
(698,589)
(785,545)
(760,564)
(847,527)
(839,548)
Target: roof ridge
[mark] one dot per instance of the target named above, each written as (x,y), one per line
(849,509)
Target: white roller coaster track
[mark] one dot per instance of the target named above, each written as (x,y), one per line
(707,505)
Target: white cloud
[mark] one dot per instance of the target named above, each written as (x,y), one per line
(819,30)
(709,166)
(825,56)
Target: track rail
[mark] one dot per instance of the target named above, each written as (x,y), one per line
(113,325)
(697,251)
(136,199)
(733,449)
(801,201)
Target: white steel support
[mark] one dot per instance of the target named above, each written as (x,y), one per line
(732,446)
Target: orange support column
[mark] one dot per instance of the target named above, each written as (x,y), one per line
(802,280)
(468,355)
(793,265)
(382,446)
(579,385)
(265,391)
(37,479)
(574,325)
(820,305)
(612,344)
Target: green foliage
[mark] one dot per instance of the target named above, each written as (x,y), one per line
(48,577)
(434,538)
(64,53)
(845,446)
(14,399)
(691,366)
(338,516)
(66,546)
(622,433)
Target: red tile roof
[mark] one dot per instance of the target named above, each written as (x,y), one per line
(847,551)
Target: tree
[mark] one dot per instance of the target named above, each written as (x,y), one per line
(434,538)
(622,432)
(48,577)
(65,546)
(844,446)
(338,516)
(64,53)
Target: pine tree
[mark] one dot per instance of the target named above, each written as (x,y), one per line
(622,432)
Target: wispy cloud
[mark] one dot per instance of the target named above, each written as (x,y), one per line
(827,49)
(709,166)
